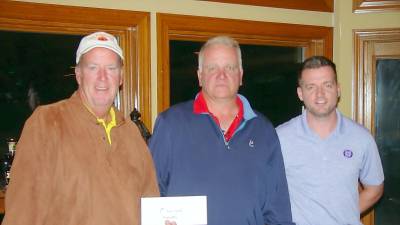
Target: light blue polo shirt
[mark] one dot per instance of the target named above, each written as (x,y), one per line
(323,174)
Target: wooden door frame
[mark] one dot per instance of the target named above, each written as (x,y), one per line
(316,40)
(312,5)
(365,55)
(131,28)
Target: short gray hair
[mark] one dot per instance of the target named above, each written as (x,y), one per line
(220,40)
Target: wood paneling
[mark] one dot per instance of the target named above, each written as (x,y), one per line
(131,28)
(365,6)
(367,49)
(313,5)
(316,40)
(370,45)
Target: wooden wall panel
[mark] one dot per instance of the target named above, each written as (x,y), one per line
(313,5)
(366,6)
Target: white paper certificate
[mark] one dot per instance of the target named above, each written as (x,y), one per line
(184,210)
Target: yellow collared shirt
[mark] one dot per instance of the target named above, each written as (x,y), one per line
(110,125)
(107,127)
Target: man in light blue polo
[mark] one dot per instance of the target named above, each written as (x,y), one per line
(327,155)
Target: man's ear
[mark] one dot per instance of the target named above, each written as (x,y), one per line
(199,77)
(78,75)
(300,93)
(241,77)
(122,77)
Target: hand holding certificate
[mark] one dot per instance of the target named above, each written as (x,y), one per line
(183,210)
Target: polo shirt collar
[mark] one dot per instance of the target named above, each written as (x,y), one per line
(200,106)
(305,129)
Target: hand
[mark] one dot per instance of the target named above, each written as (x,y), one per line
(167,222)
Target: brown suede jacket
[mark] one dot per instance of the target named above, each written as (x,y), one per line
(66,173)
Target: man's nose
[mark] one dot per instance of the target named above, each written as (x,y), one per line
(102,75)
(221,73)
(320,91)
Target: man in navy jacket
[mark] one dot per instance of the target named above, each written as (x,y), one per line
(216,145)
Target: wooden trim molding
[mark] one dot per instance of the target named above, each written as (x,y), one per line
(315,40)
(367,49)
(312,5)
(131,28)
(365,52)
(366,6)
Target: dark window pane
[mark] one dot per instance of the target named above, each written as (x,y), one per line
(387,123)
(269,82)
(35,69)
(183,66)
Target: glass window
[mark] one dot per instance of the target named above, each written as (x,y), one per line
(35,69)
(387,134)
(269,80)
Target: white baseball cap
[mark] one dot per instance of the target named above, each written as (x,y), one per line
(98,39)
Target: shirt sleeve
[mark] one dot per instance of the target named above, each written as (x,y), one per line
(277,210)
(160,145)
(371,172)
(32,174)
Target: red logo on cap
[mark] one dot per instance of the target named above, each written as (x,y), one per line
(102,38)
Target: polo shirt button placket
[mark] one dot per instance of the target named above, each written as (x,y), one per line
(227,145)
(325,157)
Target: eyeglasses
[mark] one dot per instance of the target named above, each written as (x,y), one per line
(214,69)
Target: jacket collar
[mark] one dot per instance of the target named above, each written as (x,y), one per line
(75,101)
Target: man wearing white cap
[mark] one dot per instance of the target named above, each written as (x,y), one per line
(79,161)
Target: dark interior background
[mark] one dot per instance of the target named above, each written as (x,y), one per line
(387,136)
(35,69)
(269,80)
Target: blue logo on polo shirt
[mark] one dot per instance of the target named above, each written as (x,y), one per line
(347,153)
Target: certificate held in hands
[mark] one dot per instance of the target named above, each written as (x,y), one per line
(184,210)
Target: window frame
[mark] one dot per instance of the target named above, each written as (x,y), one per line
(130,27)
(316,40)
(369,46)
